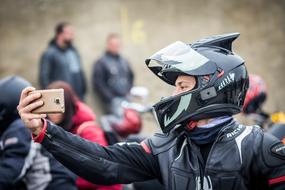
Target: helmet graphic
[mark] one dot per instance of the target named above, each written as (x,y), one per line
(221,80)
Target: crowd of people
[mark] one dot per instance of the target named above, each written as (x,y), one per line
(112,76)
(26,165)
(201,145)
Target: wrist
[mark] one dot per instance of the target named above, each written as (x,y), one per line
(39,133)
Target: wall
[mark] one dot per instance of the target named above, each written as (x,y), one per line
(26,26)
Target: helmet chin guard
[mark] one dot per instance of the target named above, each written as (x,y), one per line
(221,77)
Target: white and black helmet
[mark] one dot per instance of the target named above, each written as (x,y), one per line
(221,80)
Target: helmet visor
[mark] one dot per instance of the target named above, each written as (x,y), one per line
(179,58)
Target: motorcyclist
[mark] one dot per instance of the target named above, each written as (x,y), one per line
(25,165)
(253,108)
(201,147)
(255,97)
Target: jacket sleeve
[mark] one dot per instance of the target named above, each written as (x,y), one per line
(99,81)
(116,164)
(82,75)
(45,67)
(270,162)
(16,147)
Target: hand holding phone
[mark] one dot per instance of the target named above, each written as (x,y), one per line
(27,103)
(53,101)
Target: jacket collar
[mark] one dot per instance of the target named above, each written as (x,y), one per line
(54,44)
(230,131)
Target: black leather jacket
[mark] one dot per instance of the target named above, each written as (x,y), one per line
(112,77)
(241,158)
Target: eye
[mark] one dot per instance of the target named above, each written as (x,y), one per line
(184,87)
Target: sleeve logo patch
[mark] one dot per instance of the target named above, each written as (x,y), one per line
(279,150)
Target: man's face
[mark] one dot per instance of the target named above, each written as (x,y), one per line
(67,34)
(114,45)
(184,83)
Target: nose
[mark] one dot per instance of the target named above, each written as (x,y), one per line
(176,91)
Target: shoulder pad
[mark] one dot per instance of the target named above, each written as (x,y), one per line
(273,150)
(160,142)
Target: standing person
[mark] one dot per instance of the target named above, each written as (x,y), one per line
(201,147)
(112,77)
(79,119)
(61,61)
(25,165)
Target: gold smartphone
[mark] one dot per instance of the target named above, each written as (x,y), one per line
(53,101)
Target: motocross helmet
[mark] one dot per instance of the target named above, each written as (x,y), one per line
(10,88)
(221,80)
(256,94)
(130,124)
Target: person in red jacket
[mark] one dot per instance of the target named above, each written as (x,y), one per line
(80,119)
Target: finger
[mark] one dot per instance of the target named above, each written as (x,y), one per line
(31,116)
(32,106)
(30,98)
(26,92)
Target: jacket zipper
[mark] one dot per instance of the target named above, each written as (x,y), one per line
(71,148)
(201,167)
(213,146)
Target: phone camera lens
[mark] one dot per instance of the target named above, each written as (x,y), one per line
(57,101)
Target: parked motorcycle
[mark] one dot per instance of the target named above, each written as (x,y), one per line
(125,118)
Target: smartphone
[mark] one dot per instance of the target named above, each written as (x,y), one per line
(53,101)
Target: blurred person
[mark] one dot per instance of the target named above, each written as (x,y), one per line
(61,61)
(23,163)
(79,119)
(255,98)
(201,145)
(253,107)
(112,76)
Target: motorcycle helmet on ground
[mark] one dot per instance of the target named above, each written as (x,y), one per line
(256,95)
(10,88)
(221,80)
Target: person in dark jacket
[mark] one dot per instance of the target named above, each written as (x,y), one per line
(61,61)
(201,146)
(112,76)
(23,163)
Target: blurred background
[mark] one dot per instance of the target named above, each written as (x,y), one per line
(27,26)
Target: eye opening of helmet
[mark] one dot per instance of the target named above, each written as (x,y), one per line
(166,99)
(186,82)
